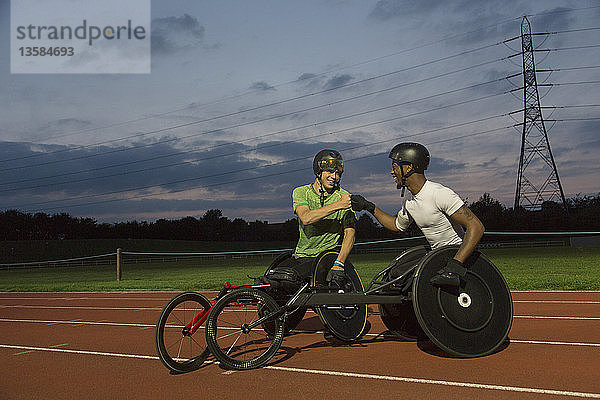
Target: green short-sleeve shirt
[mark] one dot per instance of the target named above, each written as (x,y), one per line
(326,233)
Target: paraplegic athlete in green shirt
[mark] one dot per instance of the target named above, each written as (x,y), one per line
(324,217)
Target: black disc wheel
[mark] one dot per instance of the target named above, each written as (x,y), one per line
(232,335)
(471,320)
(179,337)
(346,322)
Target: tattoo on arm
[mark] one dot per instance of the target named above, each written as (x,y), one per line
(466,212)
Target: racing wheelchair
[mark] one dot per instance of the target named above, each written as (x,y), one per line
(245,325)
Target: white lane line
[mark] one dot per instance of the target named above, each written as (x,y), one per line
(95,353)
(103,308)
(554,343)
(557,301)
(135,325)
(84,308)
(442,383)
(166,299)
(555,291)
(345,374)
(160,308)
(49,322)
(131,292)
(556,317)
(209,294)
(162,299)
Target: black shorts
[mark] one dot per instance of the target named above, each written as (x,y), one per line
(302,265)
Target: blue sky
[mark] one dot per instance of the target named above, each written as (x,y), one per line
(243,94)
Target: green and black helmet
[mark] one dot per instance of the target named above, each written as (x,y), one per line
(328,160)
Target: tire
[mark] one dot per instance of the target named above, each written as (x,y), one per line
(230,342)
(179,350)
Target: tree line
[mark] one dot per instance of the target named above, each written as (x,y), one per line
(582,214)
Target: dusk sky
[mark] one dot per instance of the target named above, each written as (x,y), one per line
(242,94)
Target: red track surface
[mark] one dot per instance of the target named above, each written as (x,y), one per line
(101,346)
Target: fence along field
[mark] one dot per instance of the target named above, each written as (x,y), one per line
(546,263)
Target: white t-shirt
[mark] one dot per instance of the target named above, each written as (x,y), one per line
(431,209)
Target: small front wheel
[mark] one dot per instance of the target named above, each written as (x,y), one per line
(180,341)
(230,335)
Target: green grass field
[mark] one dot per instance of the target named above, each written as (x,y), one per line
(565,268)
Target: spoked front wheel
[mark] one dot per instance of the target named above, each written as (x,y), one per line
(231,335)
(180,339)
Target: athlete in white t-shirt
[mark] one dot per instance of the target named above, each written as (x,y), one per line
(437,210)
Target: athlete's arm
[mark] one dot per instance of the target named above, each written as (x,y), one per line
(308,216)
(388,221)
(473,232)
(347,244)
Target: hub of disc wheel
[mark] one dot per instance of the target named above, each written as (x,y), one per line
(464,300)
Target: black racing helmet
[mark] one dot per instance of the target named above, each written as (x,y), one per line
(328,160)
(411,153)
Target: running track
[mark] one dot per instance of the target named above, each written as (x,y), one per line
(101,346)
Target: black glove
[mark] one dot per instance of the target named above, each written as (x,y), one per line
(336,278)
(359,203)
(450,275)
(456,267)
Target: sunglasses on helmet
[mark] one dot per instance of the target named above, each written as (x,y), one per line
(332,165)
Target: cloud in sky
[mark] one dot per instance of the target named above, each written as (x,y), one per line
(388,9)
(261,86)
(171,34)
(337,81)
(231,118)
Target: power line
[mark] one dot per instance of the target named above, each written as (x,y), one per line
(269,105)
(252,109)
(260,167)
(286,130)
(563,10)
(230,114)
(273,165)
(420,46)
(294,128)
(242,151)
(555,33)
(291,113)
(590,46)
(444,39)
(254,138)
(337,119)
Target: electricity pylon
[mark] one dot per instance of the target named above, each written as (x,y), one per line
(537,180)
